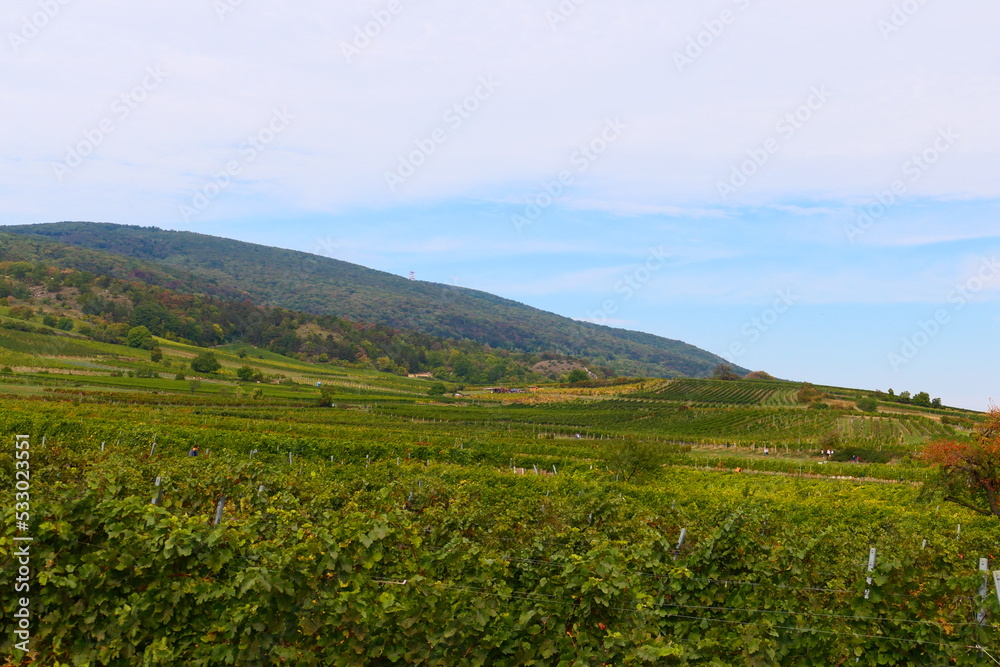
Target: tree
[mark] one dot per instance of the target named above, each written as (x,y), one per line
(156,355)
(140,337)
(724,372)
(923,399)
(245,373)
(969,471)
(577,375)
(436,389)
(634,458)
(65,324)
(194,384)
(904,397)
(867,404)
(205,363)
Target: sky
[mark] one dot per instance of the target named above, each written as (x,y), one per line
(806,188)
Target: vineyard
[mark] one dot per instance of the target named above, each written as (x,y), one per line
(395,528)
(710,392)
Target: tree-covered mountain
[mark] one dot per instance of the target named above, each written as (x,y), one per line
(323,286)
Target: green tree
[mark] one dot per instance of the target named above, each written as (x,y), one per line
(867,404)
(140,337)
(205,363)
(923,399)
(65,324)
(194,384)
(635,458)
(156,355)
(577,375)
(245,373)
(50,320)
(436,389)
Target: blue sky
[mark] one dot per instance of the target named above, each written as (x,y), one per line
(805,188)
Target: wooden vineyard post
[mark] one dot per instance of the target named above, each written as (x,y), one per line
(871,568)
(680,542)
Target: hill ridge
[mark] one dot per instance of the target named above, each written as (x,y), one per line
(321,285)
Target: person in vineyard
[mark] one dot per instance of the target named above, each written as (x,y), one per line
(194,451)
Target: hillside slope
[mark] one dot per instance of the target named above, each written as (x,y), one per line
(320,285)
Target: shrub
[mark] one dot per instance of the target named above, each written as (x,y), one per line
(205,363)
(140,337)
(867,404)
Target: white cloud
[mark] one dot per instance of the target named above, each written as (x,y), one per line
(557,87)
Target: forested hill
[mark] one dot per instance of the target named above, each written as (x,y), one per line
(319,285)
